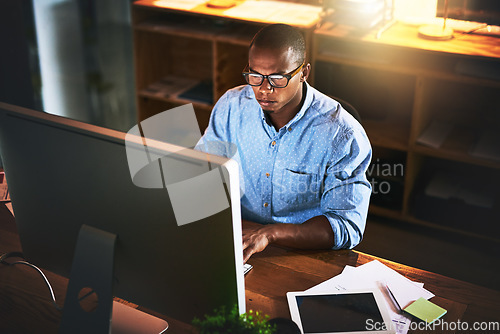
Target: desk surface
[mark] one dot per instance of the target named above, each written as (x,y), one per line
(25,306)
(297,14)
(402,35)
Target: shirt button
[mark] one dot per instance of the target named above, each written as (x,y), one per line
(267,174)
(273,142)
(290,129)
(266,205)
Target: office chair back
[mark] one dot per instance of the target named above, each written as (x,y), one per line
(349,107)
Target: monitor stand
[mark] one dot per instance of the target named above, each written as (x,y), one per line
(92,269)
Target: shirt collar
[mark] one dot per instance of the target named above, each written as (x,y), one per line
(305,105)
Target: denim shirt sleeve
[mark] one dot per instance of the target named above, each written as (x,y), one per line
(216,134)
(346,194)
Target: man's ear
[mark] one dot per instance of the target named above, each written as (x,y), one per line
(305,72)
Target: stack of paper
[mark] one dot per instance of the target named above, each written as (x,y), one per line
(435,134)
(375,275)
(445,186)
(488,146)
(170,86)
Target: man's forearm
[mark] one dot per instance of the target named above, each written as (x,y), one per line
(316,233)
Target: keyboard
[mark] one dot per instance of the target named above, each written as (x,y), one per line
(246,268)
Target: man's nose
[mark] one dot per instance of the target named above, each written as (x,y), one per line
(266,86)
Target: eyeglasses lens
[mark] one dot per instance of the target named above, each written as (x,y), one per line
(278,81)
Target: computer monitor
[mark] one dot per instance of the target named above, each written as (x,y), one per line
(64,174)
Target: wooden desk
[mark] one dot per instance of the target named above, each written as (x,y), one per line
(25,306)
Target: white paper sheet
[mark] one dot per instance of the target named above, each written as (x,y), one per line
(435,134)
(375,275)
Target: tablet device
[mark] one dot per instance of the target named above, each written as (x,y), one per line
(352,312)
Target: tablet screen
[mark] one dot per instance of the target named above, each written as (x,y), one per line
(332,313)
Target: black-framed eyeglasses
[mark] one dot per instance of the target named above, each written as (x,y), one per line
(276,80)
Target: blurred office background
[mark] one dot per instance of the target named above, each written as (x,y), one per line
(72,58)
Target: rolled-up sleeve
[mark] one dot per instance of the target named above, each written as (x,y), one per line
(346,193)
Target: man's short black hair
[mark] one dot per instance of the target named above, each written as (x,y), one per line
(281,36)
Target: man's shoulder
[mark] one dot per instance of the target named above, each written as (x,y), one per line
(322,104)
(233,103)
(332,114)
(323,108)
(238,92)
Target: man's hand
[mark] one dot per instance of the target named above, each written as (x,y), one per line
(255,238)
(315,233)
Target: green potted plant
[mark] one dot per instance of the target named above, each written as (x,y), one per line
(230,321)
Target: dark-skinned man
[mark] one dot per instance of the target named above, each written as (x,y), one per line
(302,157)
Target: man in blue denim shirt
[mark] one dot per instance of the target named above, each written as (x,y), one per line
(303,157)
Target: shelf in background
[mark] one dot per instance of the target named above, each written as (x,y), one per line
(492,238)
(189,39)
(431,68)
(170,86)
(455,155)
(405,36)
(387,134)
(232,32)
(399,50)
(401,84)
(385,212)
(174,100)
(181,89)
(458,147)
(398,216)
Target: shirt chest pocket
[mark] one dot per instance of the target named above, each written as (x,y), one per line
(299,187)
